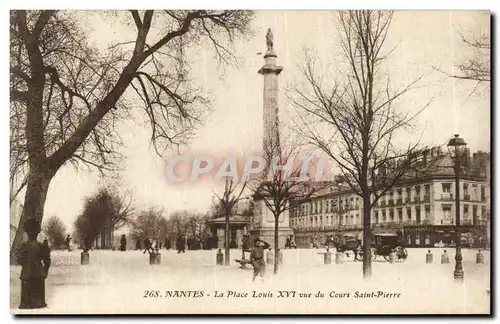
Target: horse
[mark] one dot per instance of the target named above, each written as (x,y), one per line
(347,244)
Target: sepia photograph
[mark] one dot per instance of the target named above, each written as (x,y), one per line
(250,162)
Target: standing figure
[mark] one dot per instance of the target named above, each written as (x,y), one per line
(147,245)
(156,245)
(292,242)
(46,245)
(181,244)
(257,259)
(34,258)
(123,243)
(138,245)
(67,243)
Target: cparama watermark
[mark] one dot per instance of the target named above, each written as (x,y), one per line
(197,167)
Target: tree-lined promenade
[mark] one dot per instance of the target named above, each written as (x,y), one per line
(68,96)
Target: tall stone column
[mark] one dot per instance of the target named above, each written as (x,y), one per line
(264,224)
(270,71)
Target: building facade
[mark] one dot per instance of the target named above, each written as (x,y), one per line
(421,210)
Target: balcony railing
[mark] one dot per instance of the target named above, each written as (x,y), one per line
(391,202)
(447,196)
(352,226)
(399,201)
(417,199)
(467,198)
(427,198)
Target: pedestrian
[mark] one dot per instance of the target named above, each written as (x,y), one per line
(257,259)
(181,244)
(123,243)
(34,258)
(67,243)
(156,245)
(147,245)
(138,245)
(292,242)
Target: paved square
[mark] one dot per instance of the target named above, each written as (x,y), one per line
(116,282)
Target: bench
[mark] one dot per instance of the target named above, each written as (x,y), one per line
(243,263)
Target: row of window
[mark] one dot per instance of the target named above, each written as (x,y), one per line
(392,215)
(327,206)
(353,202)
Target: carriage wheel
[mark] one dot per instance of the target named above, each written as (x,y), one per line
(387,258)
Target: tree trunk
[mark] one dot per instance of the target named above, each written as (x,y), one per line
(226,241)
(34,202)
(367,258)
(276,244)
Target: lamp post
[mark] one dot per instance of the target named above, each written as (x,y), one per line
(457,149)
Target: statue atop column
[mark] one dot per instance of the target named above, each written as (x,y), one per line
(269,40)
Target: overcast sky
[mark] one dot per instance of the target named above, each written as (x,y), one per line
(422,40)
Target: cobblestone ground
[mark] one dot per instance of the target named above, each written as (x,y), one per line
(115,282)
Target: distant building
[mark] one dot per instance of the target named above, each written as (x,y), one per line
(239,226)
(421,208)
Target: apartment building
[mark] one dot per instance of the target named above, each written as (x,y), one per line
(420,209)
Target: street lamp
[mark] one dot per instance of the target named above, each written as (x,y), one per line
(457,149)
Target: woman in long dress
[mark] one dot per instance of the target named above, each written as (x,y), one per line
(34,258)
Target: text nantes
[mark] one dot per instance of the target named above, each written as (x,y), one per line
(184,293)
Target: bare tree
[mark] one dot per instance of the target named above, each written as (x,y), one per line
(477,66)
(177,222)
(106,208)
(227,201)
(121,206)
(148,224)
(67,96)
(282,181)
(196,224)
(55,231)
(353,117)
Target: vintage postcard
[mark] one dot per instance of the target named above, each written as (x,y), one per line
(250,162)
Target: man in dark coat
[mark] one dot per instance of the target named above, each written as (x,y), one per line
(257,259)
(147,245)
(67,243)
(123,243)
(34,258)
(181,244)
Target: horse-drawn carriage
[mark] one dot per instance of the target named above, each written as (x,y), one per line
(344,244)
(383,244)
